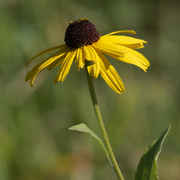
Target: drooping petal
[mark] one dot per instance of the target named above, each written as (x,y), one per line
(46,51)
(91,55)
(65,66)
(133,57)
(130,42)
(44,64)
(80,58)
(109,48)
(110,75)
(56,63)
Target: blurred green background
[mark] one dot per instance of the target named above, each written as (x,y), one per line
(34,141)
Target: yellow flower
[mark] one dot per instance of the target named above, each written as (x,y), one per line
(82,42)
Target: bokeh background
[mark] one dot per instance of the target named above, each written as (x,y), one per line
(34,141)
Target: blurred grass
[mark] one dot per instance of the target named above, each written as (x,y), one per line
(34,143)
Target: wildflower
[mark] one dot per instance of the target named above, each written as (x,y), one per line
(83,43)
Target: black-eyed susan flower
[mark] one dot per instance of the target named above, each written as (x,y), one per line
(83,43)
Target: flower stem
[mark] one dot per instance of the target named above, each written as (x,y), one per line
(101,125)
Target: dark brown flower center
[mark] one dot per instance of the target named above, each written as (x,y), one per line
(81,32)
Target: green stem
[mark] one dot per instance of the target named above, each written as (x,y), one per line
(102,126)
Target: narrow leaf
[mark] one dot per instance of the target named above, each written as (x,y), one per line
(147,168)
(83,128)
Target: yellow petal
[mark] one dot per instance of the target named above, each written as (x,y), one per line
(57,62)
(65,66)
(134,57)
(46,51)
(110,75)
(44,64)
(123,31)
(109,48)
(91,55)
(91,70)
(88,52)
(125,41)
(80,58)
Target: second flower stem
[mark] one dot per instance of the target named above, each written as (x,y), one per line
(101,125)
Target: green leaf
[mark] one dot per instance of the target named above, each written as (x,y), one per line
(147,168)
(83,128)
